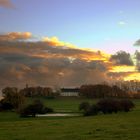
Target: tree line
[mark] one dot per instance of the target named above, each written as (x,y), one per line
(102,91)
(39,91)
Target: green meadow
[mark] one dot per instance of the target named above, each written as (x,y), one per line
(120,126)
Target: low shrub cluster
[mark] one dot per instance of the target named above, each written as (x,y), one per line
(88,109)
(106,106)
(5,105)
(33,109)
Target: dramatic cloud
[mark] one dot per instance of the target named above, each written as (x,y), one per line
(122,58)
(52,62)
(48,62)
(6,3)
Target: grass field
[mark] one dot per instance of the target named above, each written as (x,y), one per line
(121,126)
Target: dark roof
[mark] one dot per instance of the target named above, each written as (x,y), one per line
(70,89)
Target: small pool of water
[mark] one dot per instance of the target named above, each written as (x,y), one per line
(57,115)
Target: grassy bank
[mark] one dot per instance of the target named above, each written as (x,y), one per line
(122,126)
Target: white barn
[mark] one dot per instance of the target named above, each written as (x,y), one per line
(69,92)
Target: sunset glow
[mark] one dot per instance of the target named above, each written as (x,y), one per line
(68,43)
(123,69)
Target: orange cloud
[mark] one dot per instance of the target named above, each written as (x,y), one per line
(19,35)
(123,69)
(86,54)
(6,3)
(54,41)
(51,61)
(133,76)
(15,36)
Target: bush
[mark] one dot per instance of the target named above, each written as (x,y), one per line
(36,107)
(4,105)
(115,105)
(47,110)
(108,105)
(126,105)
(92,110)
(30,110)
(84,106)
(88,109)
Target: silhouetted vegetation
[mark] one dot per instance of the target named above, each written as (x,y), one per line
(109,105)
(4,105)
(106,106)
(37,107)
(12,99)
(88,109)
(39,92)
(84,106)
(102,91)
(126,105)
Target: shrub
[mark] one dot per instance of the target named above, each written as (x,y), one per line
(47,110)
(108,105)
(126,105)
(88,109)
(36,107)
(84,106)
(92,110)
(4,105)
(30,110)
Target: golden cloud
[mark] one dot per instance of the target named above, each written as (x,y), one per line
(51,61)
(123,69)
(54,41)
(13,36)
(133,76)
(85,54)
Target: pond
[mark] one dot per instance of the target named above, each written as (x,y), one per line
(58,114)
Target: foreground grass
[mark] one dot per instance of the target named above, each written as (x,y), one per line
(123,126)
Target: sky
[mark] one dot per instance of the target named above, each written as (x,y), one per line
(86,33)
(96,24)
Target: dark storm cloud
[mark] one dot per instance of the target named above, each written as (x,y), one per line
(122,58)
(15,58)
(39,63)
(53,62)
